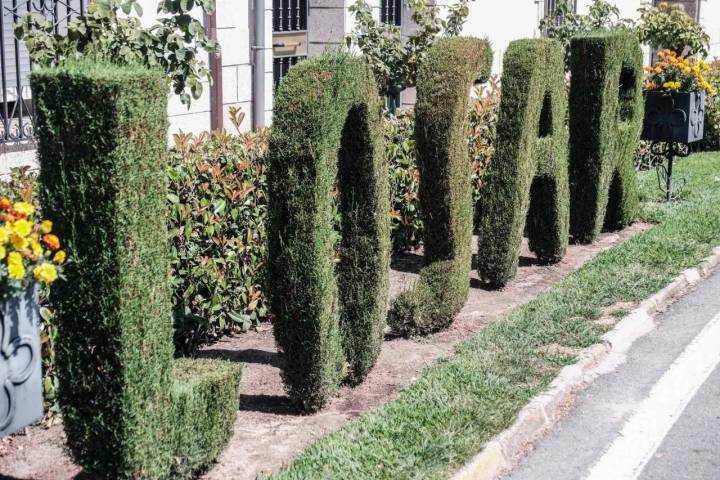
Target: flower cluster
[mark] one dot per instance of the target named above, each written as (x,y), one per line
(29,251)
(673,73)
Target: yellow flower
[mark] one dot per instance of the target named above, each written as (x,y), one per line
(22,227)
(36,248)
(18,242)
(59,257)
(16,269)
(658,70)
(24,208)
(3,252)
(45,272)
(4,235)
(46,226)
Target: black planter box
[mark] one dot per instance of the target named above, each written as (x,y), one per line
(676,117)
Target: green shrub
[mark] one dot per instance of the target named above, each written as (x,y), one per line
(405,215)
(527,181)
(218,208)
(606,113)
(405,219)
(128,412)
(441,112)
(327,132)
(712,109)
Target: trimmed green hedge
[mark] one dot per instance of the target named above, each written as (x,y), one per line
(606,114)
(327,132)
(527,181)
(441,112)
(129,409)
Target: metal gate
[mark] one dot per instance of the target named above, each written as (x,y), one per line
(289,35)
(15,97)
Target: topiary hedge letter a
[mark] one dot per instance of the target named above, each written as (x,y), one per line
(606,114)
(129,409)
(327,137)
(527,180)
(445,78)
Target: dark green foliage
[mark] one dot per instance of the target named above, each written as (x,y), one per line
(461,402)
(102,149)
(527,181)
(218,208)
(606,113)
(327,132)
(444,80)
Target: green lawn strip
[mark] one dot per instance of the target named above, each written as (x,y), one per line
(460,402)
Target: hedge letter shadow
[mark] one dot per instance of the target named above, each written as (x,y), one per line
(606,115)
(444,81)
(526,185)
(129,409)
(327,135)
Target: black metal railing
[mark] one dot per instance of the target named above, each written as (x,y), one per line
(281,65)
(15,97)
(289,15)
(391,12)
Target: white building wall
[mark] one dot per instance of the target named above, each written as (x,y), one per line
(503,22)
(710,20)
(233,22)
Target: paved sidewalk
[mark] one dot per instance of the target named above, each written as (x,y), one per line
(656,417)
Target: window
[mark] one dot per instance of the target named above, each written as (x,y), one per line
(391,12)
(289,15)
(551,5)
(16,105)
(289,36)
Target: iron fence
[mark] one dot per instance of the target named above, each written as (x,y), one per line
(391,12)
(16,104)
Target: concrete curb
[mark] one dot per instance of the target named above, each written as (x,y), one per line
(504,450)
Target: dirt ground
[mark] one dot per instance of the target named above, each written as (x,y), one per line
(268,431)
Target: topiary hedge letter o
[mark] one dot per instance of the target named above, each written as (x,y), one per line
(445,78)
(327,133)
(606,114)
(527,181)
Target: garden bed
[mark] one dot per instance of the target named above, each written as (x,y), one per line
(269,432)
(452,408)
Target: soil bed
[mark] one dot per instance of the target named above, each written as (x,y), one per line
(268,431)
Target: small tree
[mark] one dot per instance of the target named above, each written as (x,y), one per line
(668,26)
(395,57)
(564,23)
(109,31)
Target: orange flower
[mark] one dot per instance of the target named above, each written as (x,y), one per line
(4,203)
(52,241)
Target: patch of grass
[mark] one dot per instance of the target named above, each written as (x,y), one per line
(460,402)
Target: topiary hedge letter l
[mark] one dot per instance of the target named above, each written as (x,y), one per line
(527,180)
(130,410)
(327,138)
(606,114)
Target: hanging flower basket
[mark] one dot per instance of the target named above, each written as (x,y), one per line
(30,255)
(675,89)
(674,117)
(21,391)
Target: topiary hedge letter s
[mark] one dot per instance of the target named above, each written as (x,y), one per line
(327,134)
(445,78)
(129,409)
(606,114)
(527,181)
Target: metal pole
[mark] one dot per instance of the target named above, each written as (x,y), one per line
(258,87)
(669,182)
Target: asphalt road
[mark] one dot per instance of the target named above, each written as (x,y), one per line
(656,417)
